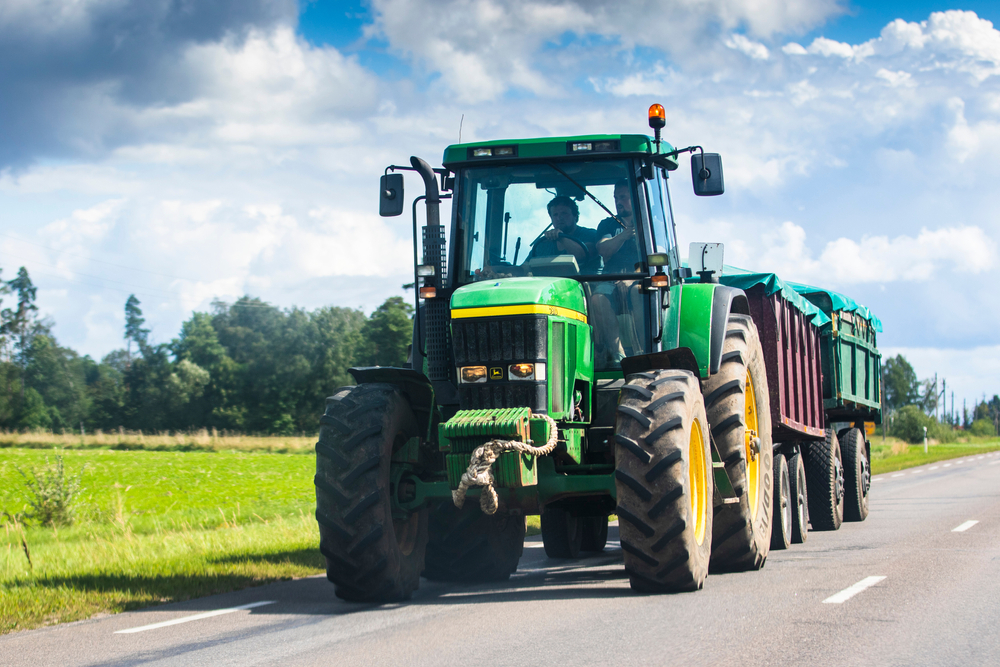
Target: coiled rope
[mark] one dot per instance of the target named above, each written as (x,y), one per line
(480,472)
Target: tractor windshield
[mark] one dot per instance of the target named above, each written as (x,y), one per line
(548,219)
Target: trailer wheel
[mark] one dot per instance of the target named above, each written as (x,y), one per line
(467,545)
(857,475)
(825,477)
(562,533)
(800,498)
(737,404)
(371,554)
(595,533)
(781,526)
(664,481)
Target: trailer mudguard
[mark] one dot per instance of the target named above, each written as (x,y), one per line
(704,312)
(415,386)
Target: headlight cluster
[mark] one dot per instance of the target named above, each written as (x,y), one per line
(523,371)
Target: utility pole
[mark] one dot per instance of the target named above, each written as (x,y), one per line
(952,407)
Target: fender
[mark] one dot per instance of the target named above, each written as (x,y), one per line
(415,386)
(705,309)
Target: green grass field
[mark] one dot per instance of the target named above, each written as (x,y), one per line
(154,527)
(894,454)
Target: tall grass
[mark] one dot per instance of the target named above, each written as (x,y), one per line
(198,440)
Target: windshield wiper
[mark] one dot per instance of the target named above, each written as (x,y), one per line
(587,192)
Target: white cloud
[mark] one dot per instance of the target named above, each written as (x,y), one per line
(753,49)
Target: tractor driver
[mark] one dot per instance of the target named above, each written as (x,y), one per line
(568,238)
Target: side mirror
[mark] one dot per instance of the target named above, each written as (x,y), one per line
(390,202)
(705,259)
(706,174)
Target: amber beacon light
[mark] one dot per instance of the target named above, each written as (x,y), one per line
(657,119)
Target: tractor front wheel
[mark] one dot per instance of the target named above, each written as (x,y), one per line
(373,553)
(664,481)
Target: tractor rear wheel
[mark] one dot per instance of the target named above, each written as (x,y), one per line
(800,498)
(664,481)
(467,545)
(781,526)
(562,533)
(595,533)
(825,476)
(372,554)
(857,475)
(737,404)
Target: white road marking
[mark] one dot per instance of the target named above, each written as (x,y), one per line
(934,467)
(993,463)
(965,526)
(195,617)
(851,591)
(916,471)
(899,474)
(946,465)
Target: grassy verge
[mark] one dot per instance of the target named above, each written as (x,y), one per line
(154,527)
(894,454)
(194,441)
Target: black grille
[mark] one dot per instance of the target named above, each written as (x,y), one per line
(498,339)
(503,395)
(497,342)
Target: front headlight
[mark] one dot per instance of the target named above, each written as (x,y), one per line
(472,374)
(526,372)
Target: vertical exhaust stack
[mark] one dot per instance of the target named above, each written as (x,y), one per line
(436,309)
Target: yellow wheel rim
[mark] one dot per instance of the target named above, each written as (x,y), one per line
(752,448)
(697,474)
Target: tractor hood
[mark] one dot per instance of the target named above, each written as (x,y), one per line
(562,297)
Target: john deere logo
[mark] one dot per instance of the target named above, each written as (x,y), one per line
(496,373)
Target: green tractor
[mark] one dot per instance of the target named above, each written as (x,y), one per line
(564,364)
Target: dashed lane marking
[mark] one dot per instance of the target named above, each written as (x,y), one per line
(934,467)
(946,465)
(851,591)
(899,474)
(965,526)
(195,617)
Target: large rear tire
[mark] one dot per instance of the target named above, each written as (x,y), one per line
(800,498)
(857,475)
(781,525)
(825,477)
(664,482)
(738,408)
(467,545)
(371,556)
(562,533)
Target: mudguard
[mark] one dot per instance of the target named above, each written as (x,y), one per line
(415,386)
(704,312)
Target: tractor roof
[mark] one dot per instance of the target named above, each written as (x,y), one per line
(588,146)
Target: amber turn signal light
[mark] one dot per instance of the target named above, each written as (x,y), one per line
(428,292)
(659,280)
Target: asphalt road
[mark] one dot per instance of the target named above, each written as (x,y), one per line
(923,594)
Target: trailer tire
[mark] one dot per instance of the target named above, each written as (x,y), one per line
(370,556)
(467,545)
(664,481)
(857,475)
(800,498)
(741,428)
(562,533)
(781,525)
(825,479)
(595,533)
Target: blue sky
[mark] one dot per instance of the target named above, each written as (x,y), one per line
(206,150)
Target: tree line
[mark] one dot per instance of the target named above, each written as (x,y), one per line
(911,405)
(246,366)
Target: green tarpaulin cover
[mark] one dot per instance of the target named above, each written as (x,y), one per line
(840,302)
(744,280)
